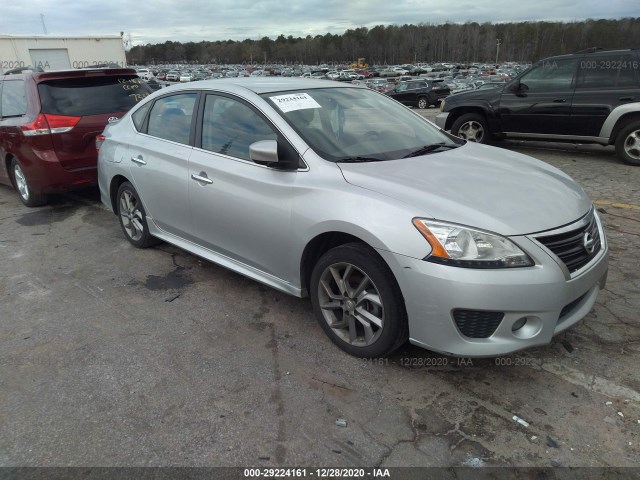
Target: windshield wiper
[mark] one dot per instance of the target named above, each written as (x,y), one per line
(430,148)
(358,159)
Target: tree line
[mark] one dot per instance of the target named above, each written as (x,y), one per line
(395,44)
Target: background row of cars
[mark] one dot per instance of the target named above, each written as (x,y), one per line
(342,72)
(445,78)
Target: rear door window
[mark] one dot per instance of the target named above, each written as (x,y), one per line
(170,117)
(83,96)
(14,98)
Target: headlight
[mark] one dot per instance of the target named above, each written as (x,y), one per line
(465,247)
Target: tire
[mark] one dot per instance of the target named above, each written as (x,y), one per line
(423,103)
(472,127)
(21,184)
(628,144)
(133,218)
(357,301)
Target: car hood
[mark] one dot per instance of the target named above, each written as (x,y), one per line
(479,186)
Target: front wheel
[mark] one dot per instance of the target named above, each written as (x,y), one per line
(20,182)
(472,127)
(358,302)
(628,144)
(133,218)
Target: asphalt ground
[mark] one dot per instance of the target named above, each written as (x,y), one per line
(113,356)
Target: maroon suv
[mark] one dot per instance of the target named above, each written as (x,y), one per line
(49,122)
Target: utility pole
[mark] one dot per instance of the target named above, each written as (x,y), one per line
(497,50)
(44,27)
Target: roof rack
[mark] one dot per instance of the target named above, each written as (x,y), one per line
(23,69)
(590,50)
(600,49)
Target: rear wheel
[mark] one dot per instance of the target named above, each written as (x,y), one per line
(423,103)
(358,302)
(472,127)
(628,144)
(133,218)
(26,194)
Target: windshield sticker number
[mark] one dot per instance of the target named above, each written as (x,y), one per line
(295,101)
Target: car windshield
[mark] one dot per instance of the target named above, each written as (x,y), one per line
(358,124)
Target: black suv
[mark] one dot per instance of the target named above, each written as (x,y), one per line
(49,122)
(586,97)
(420,93)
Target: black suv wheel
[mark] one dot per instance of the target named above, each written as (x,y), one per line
(628,143)
(472,127)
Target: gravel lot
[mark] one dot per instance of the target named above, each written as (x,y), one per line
(112,356)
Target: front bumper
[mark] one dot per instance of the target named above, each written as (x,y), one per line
(441,120)
(544,295)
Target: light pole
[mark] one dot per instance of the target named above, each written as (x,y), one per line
(497,50)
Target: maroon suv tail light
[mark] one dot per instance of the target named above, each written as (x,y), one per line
(46,124)
(99,141)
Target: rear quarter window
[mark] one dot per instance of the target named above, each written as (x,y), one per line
(608,71)
(14,98)
(81,97)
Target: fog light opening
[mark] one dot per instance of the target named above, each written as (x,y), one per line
(526,327)
(518,324)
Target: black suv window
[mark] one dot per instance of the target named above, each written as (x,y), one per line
(550,75)
(14,99)
(82,96)
(608,71)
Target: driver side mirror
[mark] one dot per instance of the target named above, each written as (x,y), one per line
(264,151)
(518,87)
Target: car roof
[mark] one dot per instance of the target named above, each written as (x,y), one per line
(594,51)
(260,85)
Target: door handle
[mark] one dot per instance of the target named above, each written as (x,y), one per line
(138,160)
(559,100)
(626,99)
(202,177)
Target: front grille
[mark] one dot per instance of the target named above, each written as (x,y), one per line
(477,323)
(572,246)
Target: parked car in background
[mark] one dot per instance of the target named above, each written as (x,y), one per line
(419,93)
(185,76)
(49,122)
(153,84)
(173,76)
(145,73)
(394,228)
(586,97)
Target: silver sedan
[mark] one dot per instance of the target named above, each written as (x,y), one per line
(395,229)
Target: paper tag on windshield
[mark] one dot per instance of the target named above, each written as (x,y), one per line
(294,101)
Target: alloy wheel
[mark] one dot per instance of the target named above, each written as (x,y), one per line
(472,131)
(632,145)
(131,215)
(21,183)
(351,304)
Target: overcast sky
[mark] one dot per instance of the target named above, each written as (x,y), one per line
(156,21)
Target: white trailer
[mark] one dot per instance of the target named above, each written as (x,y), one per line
(60,53)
